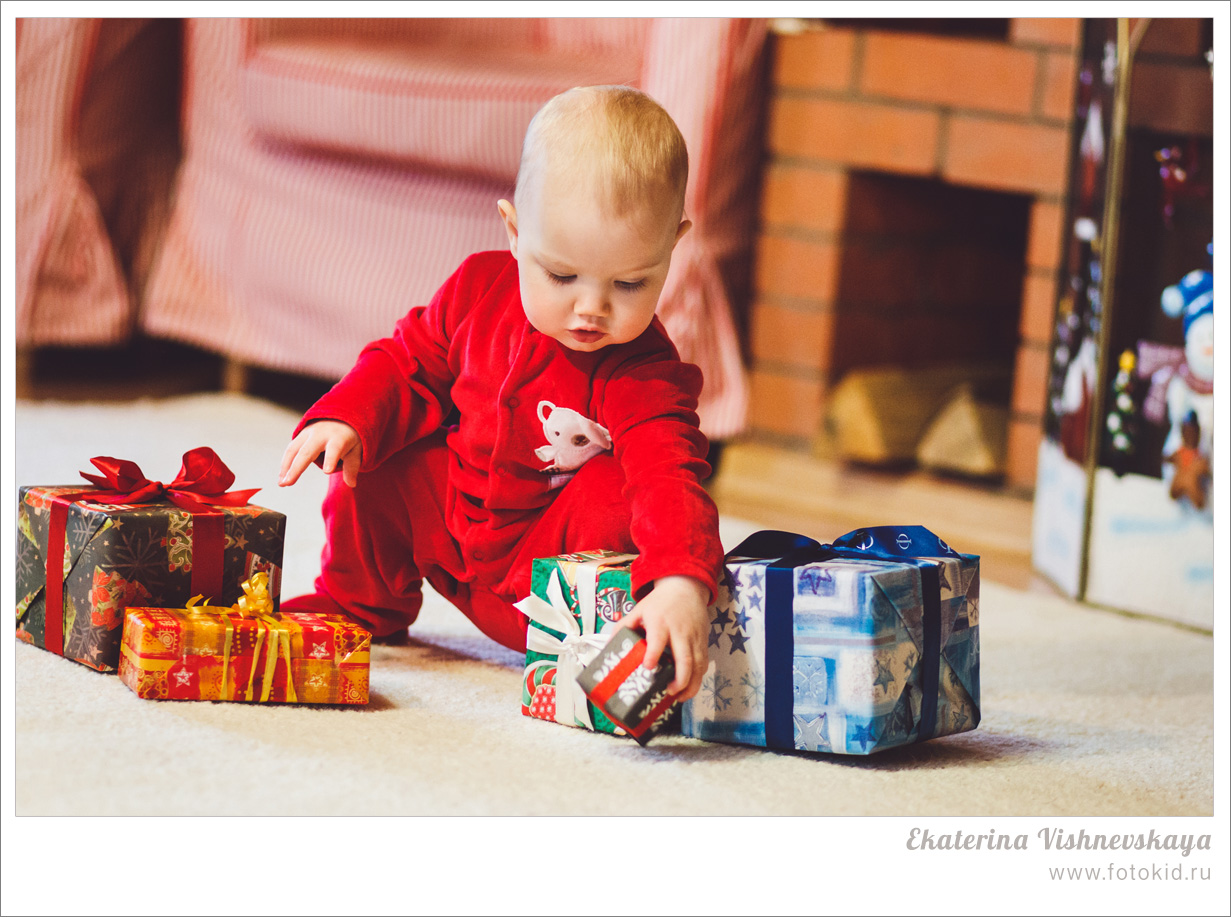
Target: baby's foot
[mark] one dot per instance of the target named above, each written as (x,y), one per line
(397,638)
(318,603)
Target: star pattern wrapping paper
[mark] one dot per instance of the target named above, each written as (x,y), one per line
(122,555)
(856,678)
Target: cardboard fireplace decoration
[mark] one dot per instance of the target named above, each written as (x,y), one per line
(1123,501)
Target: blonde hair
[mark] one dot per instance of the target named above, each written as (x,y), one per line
(614,136)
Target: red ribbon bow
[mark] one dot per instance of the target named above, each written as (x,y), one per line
(201,485)
(202,482)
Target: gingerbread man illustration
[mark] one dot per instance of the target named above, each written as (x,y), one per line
(1192,468)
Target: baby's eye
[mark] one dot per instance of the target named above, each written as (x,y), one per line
(630,286)
(561,279)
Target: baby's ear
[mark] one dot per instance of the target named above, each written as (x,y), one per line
(685,225)
(508,213)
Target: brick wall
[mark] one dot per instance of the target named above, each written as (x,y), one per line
(857,243)
(1172,89)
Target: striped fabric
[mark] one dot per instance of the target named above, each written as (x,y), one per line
(720,118)
(301,230)
(97,146)
(598,37)
(479,33)
(127,139)
(69,286)
(401,102)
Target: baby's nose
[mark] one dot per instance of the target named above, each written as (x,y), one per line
(592,304)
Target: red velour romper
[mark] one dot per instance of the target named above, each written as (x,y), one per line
(450,412)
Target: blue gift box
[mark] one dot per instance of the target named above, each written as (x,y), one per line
(855,647)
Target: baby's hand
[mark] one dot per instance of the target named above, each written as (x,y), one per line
(337,440)
(675,614)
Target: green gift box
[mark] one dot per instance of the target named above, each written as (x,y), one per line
(576,603)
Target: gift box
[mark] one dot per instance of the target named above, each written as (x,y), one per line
(852,648)
(575,603)
(628,694)
(88,553)
(244,654)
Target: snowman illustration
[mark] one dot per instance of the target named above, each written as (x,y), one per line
(1181,391)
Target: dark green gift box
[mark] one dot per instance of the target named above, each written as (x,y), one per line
(121,554)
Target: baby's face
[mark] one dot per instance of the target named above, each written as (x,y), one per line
(589,279)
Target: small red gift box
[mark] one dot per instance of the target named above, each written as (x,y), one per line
(244,654)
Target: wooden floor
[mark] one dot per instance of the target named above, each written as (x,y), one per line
(770,486)
(824,500)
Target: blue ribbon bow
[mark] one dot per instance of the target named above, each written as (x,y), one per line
(900,543)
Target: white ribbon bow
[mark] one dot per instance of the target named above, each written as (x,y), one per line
(580,644)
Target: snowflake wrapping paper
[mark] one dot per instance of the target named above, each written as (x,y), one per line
(833,649)
(217,654)
(630,695)
(122,555)
(575,603)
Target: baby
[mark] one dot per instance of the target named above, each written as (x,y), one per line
(535,407)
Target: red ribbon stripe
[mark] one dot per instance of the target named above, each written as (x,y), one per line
(200,486)
(604,689)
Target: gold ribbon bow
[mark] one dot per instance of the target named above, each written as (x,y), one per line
(257,604)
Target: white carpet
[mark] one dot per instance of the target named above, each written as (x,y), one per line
(1085,712)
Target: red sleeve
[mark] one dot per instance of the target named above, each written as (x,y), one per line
(649,407)
(399,390)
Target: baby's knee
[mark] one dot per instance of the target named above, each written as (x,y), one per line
(598,514)
(600,480)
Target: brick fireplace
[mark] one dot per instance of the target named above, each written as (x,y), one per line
(912,212)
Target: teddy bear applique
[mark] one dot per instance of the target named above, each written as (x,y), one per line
(572,440)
